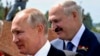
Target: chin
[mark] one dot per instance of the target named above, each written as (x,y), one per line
(26,53)
(61,37)
(23,52)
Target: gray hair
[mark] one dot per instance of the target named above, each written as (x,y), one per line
(36,17)
(69,6)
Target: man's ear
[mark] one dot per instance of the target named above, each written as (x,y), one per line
(40,28)
(74,14)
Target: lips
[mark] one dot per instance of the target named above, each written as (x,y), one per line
(19,45)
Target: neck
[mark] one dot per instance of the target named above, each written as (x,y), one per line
(74,32)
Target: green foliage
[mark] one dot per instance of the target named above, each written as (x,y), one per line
(87,21)
(46,14)
(0,4)
(1,11)
(47,19)
(95,30)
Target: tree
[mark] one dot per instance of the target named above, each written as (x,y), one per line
(0,4)
(1,10)
(46,14)
(87,20)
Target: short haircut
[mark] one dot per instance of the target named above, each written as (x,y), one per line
(69,6)
(36,17)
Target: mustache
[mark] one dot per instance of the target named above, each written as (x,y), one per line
(58,29)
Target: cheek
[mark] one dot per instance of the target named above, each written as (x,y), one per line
(31,43)
(65,24)
(30,37)
(28,40)
(62,22)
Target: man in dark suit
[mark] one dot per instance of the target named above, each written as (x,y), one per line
(29,29)
(66,21)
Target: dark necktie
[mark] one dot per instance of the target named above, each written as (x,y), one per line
(69,46)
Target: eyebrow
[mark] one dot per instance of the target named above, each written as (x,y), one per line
(15,29)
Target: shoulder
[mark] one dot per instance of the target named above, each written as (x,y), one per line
(97,36)
(89,39)
(89,35)
(55,52)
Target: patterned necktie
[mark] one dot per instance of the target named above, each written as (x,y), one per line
(69,46)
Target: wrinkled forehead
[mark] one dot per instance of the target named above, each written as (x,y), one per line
(56,9)
(20,21)
(55,12)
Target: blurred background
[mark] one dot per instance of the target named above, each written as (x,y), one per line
(90,9)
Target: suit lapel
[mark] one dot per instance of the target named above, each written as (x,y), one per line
(84,43)
(88,44)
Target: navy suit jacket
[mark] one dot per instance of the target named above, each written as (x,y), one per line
(89,45)
(55,52)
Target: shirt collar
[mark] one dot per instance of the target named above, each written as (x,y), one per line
(77,37)
(44,50)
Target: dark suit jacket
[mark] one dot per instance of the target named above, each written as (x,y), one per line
(55,52)
(89,45)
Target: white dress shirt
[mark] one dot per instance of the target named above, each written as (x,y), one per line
(58,43)
(44,50)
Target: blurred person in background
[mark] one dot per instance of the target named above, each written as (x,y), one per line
(14,7)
